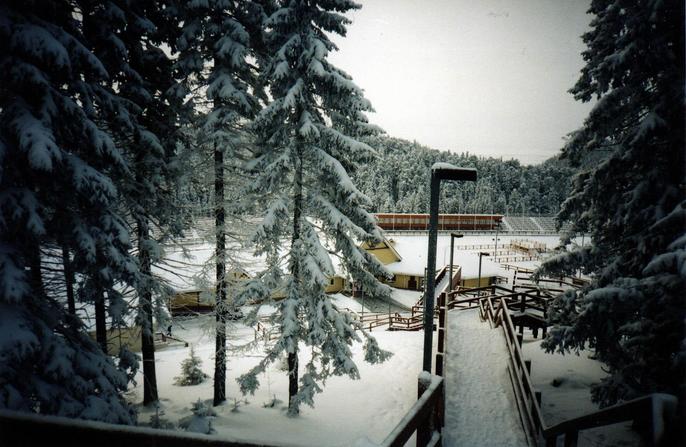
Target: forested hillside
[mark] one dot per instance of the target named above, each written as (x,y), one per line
(397,180)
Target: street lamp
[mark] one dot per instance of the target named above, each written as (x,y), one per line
(439,172)
(453,236)
(495,250)
(481,254)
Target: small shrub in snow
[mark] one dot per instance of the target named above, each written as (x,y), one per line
(238,403)
(272,402)
(157,421)
(191,374)
(199,421)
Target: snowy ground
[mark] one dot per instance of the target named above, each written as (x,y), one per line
(346,412)
(565,382)
(479,392)
(480,404)
(405,298)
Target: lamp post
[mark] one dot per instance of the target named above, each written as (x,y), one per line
(453,236)
(495,250)
(439,172)
(481,254)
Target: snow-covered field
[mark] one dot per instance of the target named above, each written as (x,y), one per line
(345,413)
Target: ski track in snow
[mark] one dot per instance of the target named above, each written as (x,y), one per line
(480,407)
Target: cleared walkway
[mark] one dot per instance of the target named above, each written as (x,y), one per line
(480,408)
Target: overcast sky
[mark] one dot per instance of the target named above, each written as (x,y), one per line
(487,76)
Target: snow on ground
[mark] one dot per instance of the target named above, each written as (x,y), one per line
(565,382)
(405,298)
(347,411)
(480,404)
(349,303)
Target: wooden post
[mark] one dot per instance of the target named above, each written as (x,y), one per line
(520,339)
(571,438)
(527,365)
(424,427)
(441,334)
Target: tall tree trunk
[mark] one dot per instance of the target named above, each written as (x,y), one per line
(35,270)
(220,300)
(68,279)
(150,394)
(100,317)
(295,274)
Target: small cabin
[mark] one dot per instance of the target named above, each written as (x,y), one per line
(202,299)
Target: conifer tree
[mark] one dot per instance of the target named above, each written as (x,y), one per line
(143,118)
(630,197)
(56,187)
(307,144)
(215,47)
(191,373)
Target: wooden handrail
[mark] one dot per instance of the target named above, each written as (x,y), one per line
(24,429)
(660,407)
(656,408)
(427,407)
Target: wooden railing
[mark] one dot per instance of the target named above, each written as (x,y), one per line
(425,417)
(655,409)
(24,429)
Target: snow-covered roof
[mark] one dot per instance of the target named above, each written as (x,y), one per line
(413,250)
(192,268)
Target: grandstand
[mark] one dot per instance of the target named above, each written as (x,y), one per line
(522,224)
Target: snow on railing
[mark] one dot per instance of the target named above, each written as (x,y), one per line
(425,417)
(26,429)
(656,410)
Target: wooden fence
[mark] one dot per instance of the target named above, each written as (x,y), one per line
(426,416)
(25,430)
(17,429)
(656,410)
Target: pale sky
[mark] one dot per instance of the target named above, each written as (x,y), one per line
(485,76)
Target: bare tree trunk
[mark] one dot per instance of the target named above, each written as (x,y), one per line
(100,317)
(35,270)
(295,274)
(220,300)
(68,279)
(150,393)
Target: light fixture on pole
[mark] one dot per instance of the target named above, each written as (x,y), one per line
(481,254)
(439,172)
(453,236)
(495,250)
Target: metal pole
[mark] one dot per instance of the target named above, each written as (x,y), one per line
(479,283)
(431,273)
(452,247)
(495,250)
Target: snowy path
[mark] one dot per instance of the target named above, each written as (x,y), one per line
(480,406)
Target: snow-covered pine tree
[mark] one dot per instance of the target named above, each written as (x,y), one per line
(307,137)
(55,189)
(215,46)
(191,373)
(127,37)
(631,200)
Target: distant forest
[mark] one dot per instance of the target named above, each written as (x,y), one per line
(397,180)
